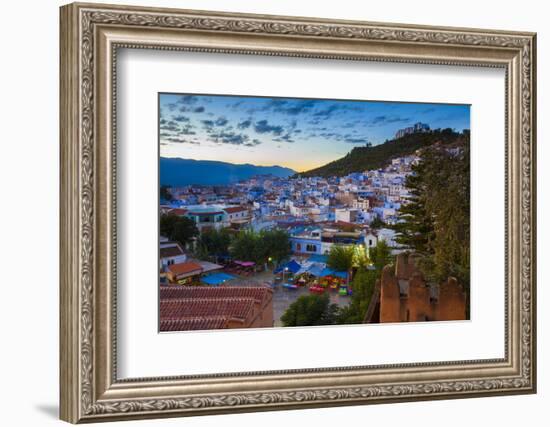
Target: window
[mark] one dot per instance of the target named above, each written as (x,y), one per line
(311,248)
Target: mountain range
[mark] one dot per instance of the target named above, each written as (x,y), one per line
(178,172)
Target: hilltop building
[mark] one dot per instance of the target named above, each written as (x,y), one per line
(417,127)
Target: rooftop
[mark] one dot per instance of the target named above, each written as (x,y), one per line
(234,209)
(206,213)
(177,211)
(193,323)
(239,308)
(171,251)
(257,293)
(185,268)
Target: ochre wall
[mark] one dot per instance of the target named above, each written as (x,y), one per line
(412,301)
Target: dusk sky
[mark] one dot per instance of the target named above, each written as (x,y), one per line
(297,133)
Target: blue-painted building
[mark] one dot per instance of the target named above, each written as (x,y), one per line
(306,240)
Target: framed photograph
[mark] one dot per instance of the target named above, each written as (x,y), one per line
(266,213)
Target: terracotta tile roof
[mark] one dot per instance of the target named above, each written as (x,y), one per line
(178,211)
(257,293)
(206,213)
(239,308)
(345,224)
(185,268)
(193,324)
(235,209)
(171,251)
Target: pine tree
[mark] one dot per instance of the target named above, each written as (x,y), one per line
(435,223)
(415,228)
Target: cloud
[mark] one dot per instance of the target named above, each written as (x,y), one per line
(221,121)
(253,143)
(331,135)
(354,140)
(170,126)
(451,115)
(351,124)
(180,140)
(384,119)
(187,99)
(286,138)
(327,112)
(236,105)
(208,124)
(262,126)
(245,124)
(188,130)
(314,121)
(178,126)
(189,107)
(349,138)
(232,138)
(294,107)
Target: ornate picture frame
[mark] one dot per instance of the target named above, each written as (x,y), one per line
(90,37)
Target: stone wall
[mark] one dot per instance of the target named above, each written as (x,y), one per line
(405,296)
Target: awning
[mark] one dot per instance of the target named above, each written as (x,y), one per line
(217,278)
(245,263)
(316,269)
(290,267)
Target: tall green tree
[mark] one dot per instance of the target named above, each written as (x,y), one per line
(363,284)
(213,244)
(415,229)
(363,288)
(435,224)
(377,223)
(177,228)
(260,247)
(244,246)
(340,258)
(310,310)
(276,245)
(380,255)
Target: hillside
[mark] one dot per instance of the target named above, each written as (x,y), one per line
(364,158)
(181,172)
